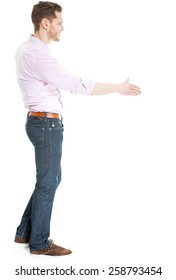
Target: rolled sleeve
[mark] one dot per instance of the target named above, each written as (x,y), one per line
(83,86)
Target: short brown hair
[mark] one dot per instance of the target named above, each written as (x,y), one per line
(44,9)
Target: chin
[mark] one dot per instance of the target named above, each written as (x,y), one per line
(57,39)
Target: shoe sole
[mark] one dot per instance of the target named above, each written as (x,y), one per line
(49,256)
(21,244)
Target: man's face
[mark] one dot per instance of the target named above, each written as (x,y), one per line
(55,28)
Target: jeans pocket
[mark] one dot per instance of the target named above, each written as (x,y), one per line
(56,139)
(36,135)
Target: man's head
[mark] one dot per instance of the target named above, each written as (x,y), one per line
(47,19)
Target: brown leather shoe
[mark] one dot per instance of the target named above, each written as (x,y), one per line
(22,240)
(25,240)
(52,250)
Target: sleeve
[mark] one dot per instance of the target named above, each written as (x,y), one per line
(50,71)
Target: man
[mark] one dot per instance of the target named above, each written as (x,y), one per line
(40,78)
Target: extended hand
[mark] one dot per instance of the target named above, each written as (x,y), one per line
(126,88)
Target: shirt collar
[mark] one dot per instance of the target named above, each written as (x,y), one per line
(38,42)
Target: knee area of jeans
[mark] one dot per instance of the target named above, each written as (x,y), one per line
(46,191)
(49,186)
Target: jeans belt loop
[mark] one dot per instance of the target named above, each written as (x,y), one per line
(45,116)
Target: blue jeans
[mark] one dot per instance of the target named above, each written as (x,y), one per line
(46,135)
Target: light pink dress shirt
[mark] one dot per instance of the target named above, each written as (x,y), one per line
(40,78)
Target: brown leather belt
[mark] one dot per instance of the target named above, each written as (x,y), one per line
(45,115)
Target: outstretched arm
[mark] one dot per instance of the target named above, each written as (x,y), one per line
(124,88)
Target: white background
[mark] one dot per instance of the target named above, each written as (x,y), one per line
(116,203)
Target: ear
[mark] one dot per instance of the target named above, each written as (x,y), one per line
(44,23)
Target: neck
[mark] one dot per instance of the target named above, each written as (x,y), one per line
(41,37)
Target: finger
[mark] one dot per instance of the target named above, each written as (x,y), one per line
(135,92)
(134,86)
(127,80)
